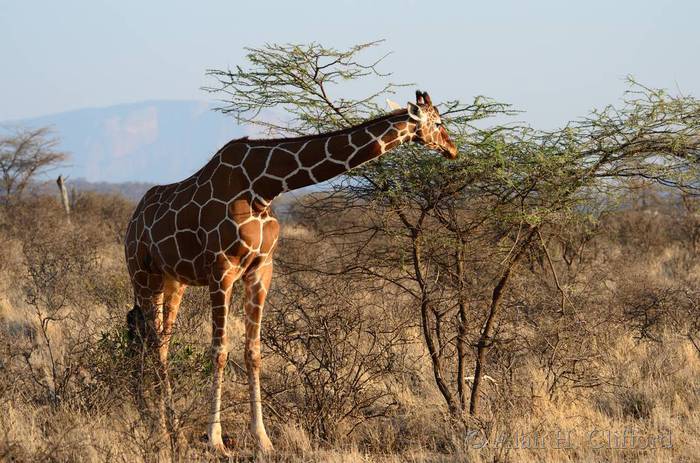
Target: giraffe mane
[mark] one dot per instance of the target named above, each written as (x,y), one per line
(342,131)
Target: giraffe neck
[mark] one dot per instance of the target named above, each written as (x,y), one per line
(276,166)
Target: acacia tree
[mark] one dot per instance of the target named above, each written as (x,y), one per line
(511,189)
(25,153)
(450,235)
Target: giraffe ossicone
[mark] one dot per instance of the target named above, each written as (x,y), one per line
(216,227)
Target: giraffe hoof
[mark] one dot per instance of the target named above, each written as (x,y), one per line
(265,446)
(221,447)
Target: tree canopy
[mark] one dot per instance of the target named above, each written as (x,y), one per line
(510,193)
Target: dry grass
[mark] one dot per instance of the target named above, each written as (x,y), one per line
(630,326)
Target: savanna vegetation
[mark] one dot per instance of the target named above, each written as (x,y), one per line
(535,300)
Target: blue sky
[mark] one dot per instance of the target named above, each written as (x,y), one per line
(554,59)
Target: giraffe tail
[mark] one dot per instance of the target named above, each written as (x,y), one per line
(136,324)
(136,330)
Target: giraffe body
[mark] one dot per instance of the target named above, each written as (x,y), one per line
(216,227)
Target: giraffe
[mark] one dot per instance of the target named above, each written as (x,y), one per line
(216,227)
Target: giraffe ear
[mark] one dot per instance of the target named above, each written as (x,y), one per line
(393,105)
(415,112)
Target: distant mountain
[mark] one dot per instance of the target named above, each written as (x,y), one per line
(150,141)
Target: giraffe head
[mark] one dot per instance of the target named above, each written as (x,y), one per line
(429,128)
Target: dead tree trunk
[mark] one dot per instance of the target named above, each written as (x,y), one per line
(64,195)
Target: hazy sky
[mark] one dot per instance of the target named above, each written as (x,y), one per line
(555,59)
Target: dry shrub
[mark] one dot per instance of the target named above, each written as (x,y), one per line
(109,213)
(335,353)
(346,376)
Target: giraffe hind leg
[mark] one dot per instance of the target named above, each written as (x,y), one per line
(173,292)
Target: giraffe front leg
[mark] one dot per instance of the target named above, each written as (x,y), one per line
(220,293)
(257,283)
